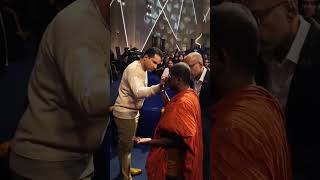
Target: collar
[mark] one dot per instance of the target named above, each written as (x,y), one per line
(203,74)
(296,47)
(140,64)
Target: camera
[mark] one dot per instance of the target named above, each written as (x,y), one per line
(133,54)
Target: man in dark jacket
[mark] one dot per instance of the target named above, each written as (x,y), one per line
(201,85)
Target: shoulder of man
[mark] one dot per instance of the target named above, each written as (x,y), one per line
(310,52)
(206,79)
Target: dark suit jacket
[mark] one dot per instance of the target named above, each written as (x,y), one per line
(205,93)
(303,103)
(205,101)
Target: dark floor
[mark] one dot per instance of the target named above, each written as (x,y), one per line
(139,156)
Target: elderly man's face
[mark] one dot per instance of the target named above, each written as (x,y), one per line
(309,7)
(273,21)
(195,66)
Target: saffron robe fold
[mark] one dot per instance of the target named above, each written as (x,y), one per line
(248,137)
(182,117)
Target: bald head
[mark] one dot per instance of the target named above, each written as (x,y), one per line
(180,77)
(195,62)
(193,57)
(181,70)
(235,32)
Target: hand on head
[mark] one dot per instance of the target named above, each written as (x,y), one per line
(163,82)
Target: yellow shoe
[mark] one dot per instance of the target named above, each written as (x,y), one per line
(135,171)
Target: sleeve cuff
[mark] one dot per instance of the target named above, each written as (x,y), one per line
(156,89)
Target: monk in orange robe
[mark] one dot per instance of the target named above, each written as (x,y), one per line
(248,136)
(177,147)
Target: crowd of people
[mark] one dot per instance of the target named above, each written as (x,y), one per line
(120,62)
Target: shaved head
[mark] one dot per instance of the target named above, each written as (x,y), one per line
(195,62)
(235,31)
(181,70)
(194,57)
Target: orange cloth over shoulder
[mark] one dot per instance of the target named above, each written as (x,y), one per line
(182,117)
(248,137)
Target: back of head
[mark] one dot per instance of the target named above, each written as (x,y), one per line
(236,32)
(151,52)
(181,70)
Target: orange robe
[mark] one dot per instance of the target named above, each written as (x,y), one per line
(248,137)
(182,117)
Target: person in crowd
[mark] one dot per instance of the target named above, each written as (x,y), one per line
(248,136)
(133,90)
(181,57)
(201,84)
(289,69)
(67,115)
(176,58)
(207,64)
(200,74)
(176,151)
(167,69)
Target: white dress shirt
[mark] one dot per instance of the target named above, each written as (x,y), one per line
(280,74)
(198,83)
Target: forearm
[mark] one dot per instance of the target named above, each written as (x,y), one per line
(162,142)
(147,91)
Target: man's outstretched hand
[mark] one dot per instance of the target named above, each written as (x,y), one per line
(140,140)
(163,82)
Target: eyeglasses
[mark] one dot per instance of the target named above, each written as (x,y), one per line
(261,14)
